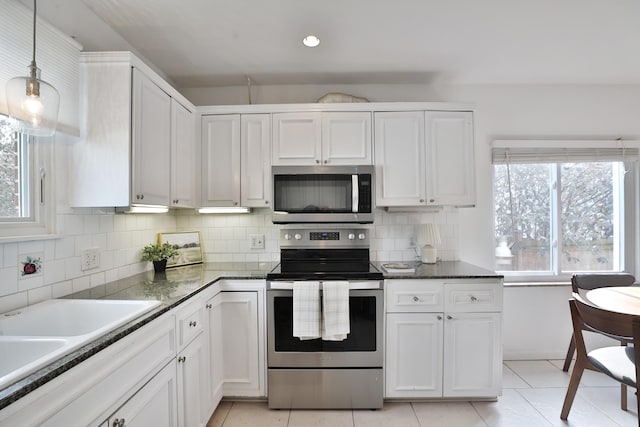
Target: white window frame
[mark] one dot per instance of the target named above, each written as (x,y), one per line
(581,151)
(41,222)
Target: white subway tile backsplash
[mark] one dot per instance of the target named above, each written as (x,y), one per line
(97,279)
(40,294)
(8,281)
(81,283)
(13,302)
(61,289)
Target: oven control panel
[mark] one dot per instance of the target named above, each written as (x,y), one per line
(315,238)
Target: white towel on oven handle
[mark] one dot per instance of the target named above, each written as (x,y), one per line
(335,310)
(306,310)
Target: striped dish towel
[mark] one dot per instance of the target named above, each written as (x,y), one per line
(306,310)
(335,311)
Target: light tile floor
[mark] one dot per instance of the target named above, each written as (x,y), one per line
(533,393)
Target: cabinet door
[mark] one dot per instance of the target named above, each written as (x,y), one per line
(183,156)
(296,139)
(214,312)
(472,355)
(151,142)
(221,160)
(414,355)
(346,138)
(193,383)
(153,405)
(255,152)
(240,344)
(450,158)
(399,158)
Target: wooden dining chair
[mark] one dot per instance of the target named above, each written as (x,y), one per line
(587,282)
(620,363)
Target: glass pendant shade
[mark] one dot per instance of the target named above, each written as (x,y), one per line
(32,102)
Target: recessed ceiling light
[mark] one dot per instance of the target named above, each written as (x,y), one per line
(311,41)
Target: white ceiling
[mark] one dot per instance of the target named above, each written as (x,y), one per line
(219,42)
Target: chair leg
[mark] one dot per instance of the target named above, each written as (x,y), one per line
(574,381)
(570,351)
(623,389)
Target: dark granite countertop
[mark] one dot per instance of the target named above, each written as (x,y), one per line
(177,285)
(440,270)
(172,288)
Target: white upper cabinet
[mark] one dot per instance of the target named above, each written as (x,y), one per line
(236,169)
(425,158)
(346,138)
(297,139)
(221,160)
(151,142)
(183,156)
(450,158)
(399,147)
(327,138)
(255,155)
(129,124)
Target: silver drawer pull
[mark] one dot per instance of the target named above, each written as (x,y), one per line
(192,323)
(473,298)
(416,299)
(449,318)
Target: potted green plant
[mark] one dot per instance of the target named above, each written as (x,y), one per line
(159,253)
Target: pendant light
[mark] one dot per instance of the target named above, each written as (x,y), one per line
(33,102)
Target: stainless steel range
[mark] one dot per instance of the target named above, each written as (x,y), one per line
(317,373)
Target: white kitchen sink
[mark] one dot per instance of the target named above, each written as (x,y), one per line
(34,336)
(69,317)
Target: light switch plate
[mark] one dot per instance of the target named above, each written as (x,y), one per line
(256,241)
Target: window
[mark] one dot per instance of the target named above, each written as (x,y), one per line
(560,211)
(24,196)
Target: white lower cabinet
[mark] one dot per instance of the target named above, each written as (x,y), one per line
(193,383)
(193,364)
(443,338)
(414,355)
(214,318)
(240,346)
(153,405)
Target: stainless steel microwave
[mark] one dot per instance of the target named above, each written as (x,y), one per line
(323,194)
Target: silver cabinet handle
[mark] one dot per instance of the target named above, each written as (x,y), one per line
(421,200)
(317,161)
(182,359)
(416,299)
(473,298)
(193,323)
(326,161)
(439,317)
(208,306)
(118,422)
(449,317)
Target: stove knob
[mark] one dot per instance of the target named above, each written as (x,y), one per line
(287,236)
(351,236)
(298,236)
(361,236)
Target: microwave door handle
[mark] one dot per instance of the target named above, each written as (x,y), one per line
(355,196)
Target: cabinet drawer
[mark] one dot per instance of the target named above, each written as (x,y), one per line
(414,295)
(190,323)
(476,296)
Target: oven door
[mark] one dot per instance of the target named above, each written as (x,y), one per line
(362,348)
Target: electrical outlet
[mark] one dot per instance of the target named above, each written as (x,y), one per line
(90,258)
(256,241)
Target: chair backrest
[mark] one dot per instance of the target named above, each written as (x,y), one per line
(586,316)
(589,281)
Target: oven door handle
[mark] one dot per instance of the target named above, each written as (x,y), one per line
(353,285)
(355,194)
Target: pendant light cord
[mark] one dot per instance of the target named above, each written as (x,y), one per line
(33,60)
